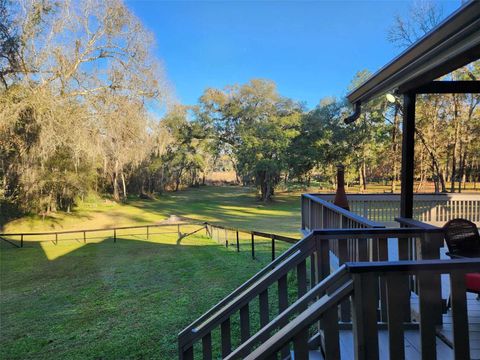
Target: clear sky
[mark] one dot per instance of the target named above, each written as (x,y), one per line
(311,49)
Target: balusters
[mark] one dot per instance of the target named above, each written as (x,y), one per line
(300,345)
(302,278)
(329,325)
(382,254)
(263,300)
(282,305)
(427,316)
(342,258)
(365,317)
(244,323)
(395,317)
(226,338)
(461,343)
(207,347)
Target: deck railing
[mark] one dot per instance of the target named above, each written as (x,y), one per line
(321,213)
(305,266)
(359,281)
(435,209)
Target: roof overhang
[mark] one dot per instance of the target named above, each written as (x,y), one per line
(452,44)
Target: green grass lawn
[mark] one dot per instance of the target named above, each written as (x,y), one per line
(129,299)
(109,300)
(230,205)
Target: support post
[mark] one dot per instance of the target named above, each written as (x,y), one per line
(238,243)
(21,240)
(273,247)
(408,155)
(253,246)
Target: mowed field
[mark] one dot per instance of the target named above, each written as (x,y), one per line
(128,299)
(228,205)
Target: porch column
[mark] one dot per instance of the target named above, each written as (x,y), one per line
(408,155)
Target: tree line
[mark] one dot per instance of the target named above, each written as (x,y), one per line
(81,91)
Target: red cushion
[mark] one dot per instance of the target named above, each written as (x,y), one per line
(472,282)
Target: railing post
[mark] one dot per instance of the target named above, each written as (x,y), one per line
(148,232)
(21,240)
(56,238)
(114,235)
(84,237)
(226,238)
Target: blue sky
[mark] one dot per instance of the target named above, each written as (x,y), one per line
(311,49)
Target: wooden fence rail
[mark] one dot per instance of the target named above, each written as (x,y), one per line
(211,230)
(55,236)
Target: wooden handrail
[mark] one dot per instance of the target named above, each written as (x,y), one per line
(414,223)
(374,232)
(410,266)
(348,214)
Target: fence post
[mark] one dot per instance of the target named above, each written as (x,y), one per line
(273,247)
(253,246)
(21,240)
(226,238)
(114,235)
(178,230)
(148,232)
(84,237)
(56,238)
(238,243)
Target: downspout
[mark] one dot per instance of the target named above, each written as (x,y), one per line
(355,115)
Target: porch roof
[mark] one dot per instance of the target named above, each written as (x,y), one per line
(452,44)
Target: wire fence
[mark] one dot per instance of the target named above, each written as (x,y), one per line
(180,230)
(258,244)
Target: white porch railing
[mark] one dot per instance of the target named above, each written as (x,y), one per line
(434,209)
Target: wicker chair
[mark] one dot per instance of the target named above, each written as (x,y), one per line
(463,241)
